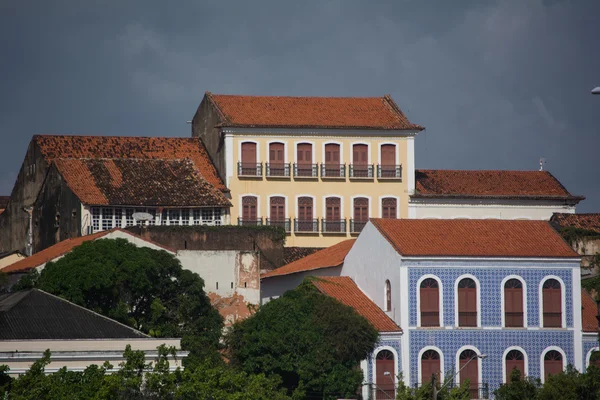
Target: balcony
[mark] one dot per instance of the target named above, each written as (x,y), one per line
(282,223)
(250,222)
(389,171)
(357,226)
(333,171)
(333,226)
(278,170)
(250,169)
(305,170)
(361,171)
(306,225)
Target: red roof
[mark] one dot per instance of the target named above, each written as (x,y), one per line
(344,290)
(588,312)
(139,182)
(329,257)
(165,148)
(588,222)
(490,184)
(473,238)
(310,112)
(62,248)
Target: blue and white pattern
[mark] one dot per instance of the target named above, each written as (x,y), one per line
(589,342)
(491,281)
(383,342)
(493,343)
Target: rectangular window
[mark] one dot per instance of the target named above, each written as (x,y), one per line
(129,217)
(95,219)
(174,217)
(118,217)
(152,220)
(197,219)
(164,218)
(217,216)
(107,218)
(185,216)
(208,216)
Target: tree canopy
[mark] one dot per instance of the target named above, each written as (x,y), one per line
(144,288)
(311,341)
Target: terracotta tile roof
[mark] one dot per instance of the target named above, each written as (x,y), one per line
(473,238)
(62,248)
(490,184)
(589,222)
(165,148)
(588,312)
(343,289)
(291,254)
(310,112)
(138,182)
(329,257)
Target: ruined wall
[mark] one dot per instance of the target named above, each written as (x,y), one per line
(56,214)
(231,279)
(203,126)
(14,221)
(267,241)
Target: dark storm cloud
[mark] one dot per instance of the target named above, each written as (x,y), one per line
(498,84)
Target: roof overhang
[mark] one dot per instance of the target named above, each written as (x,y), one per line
(316,131)
(544,260)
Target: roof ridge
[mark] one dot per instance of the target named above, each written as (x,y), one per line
(298,97)
(24,294)
(42,135)
(216,106)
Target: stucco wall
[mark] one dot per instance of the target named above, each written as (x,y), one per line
(274,287)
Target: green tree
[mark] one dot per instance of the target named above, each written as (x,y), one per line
(518,387)
(144,288)
(564,386)
(312,341)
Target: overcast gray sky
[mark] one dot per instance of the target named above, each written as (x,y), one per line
(497,84)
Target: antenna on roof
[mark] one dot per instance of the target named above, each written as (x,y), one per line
(142,217)
(542,162)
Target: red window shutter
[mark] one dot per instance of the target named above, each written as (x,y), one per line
(305,208)
(430,365)
(304,155)
(249,204)
(384,365)
(276,153)
(553,363)
(388,155)
(430,303)
(332,154)
(388,208)
(552,302)
(277,208)
(249,154)
(360,154)
(514,359)
(333,208)
(513,303)
(361,209)
(470,371)
(467,303)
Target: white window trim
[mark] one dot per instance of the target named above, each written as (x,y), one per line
(359,196)
(588,357)
(314,205)
(502,302)
(379,145)
(341,150)
(248,141)
(525,361)
(285,150)
(374,363)
(285,204)
(547,349)
(314,150)
(441,295)
(381,204)
(241,203)
(479,363)
(420,363)
(324,213)
(478,302)
(368,152)
(563,301)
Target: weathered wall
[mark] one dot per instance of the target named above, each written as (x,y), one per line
(588,247)
(267,241)
(203,126)
(14,222)
(276,286)
(56,214)
(231,279)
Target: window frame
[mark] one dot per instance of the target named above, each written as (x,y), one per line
(563,302)
(543,355)
(440,295)
(503,304)
(420,365)
(525,361)
(477,300)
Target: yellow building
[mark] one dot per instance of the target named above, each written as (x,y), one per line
(319,167)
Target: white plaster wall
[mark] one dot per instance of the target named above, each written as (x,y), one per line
(272,288)
(138,241)
(372,261)
(212,266)
(512,210)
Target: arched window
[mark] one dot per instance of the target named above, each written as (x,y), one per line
(277,211)
(553,363)
(513,303)
(276,159)
(360,161)
(388,296)
(332,160)
(430,365)
(514,359)
(385,374)
(333,216)
(304,159)
(249,163)
(388,207)
(552,303)
(595,359)
(388,161)
(430,302)
(467,302)
(249,213)
(305,221)
(361,213)
(469,364)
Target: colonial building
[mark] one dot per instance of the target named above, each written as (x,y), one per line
(450,194)
(70,186)
(319,167)
(486,295)
(582,231)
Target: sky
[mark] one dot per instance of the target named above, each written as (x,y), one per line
(497,84)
